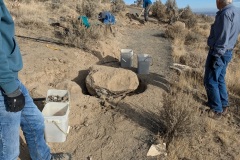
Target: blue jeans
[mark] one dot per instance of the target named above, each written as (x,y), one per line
(214,81)
(32,123)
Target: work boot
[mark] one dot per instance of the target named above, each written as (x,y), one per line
(61,156)
(214,115)
(225,111)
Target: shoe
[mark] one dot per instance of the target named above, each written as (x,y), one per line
(225,111)
(60,156)
(214,115)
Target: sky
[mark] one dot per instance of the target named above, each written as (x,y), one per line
(195,5)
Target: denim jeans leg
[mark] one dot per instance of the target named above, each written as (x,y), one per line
(32,124)
(9,132)
(222,85)
(214,82)
(211,84)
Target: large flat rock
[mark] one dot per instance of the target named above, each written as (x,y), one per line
(110,81)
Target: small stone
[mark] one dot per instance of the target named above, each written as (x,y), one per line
(156,150)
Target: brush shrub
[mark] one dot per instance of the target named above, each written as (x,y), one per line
(175,32)
(118,6)
(179,115)
(159,10)
(192,37)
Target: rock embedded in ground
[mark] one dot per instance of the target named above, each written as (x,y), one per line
(110,81)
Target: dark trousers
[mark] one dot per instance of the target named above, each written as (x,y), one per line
(146,11)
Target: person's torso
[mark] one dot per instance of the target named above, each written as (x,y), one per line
(233,16)
(8,44)
(146,3)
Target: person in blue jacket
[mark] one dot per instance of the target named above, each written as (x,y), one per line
(221,41)
(16,105)
(146,5)
(106,17)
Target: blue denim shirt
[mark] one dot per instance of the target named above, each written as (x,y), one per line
(146,3)
(225,30)
(10,56)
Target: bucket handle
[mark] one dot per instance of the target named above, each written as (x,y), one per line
(54,122)
(151,59)
(130,57)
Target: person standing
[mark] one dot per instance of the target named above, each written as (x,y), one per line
(146,5)
(16,105)
(221,41)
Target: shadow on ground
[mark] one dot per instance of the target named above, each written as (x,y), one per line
(146,119)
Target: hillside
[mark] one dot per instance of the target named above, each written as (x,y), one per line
(167,107)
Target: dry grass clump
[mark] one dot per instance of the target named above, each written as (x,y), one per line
(188,17)
(195,60)
(191,134)
(192,38)
(191,82)
(76,34)
(191,22)
(205,18)
(177,35)
(202,29)
(175,32)
(179,115)
(237,47)
(118,6)
(186,13)
(233,72)
(89,8)
(178,50)
(232,76)
(159,10)
(27,16)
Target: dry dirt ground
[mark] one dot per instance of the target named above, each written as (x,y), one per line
(127,128)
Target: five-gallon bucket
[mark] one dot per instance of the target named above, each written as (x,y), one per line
(56,95)
(56,121)
(144,62)
(126,58)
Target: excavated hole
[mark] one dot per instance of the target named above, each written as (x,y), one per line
(141,88)
(83,74)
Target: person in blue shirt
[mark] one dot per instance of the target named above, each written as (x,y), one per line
(16,105)
(106,17)
(221,41)
(146,5)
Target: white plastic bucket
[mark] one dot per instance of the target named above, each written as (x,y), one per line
(126,58)
(56,121)
(144,62)
(63,95)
